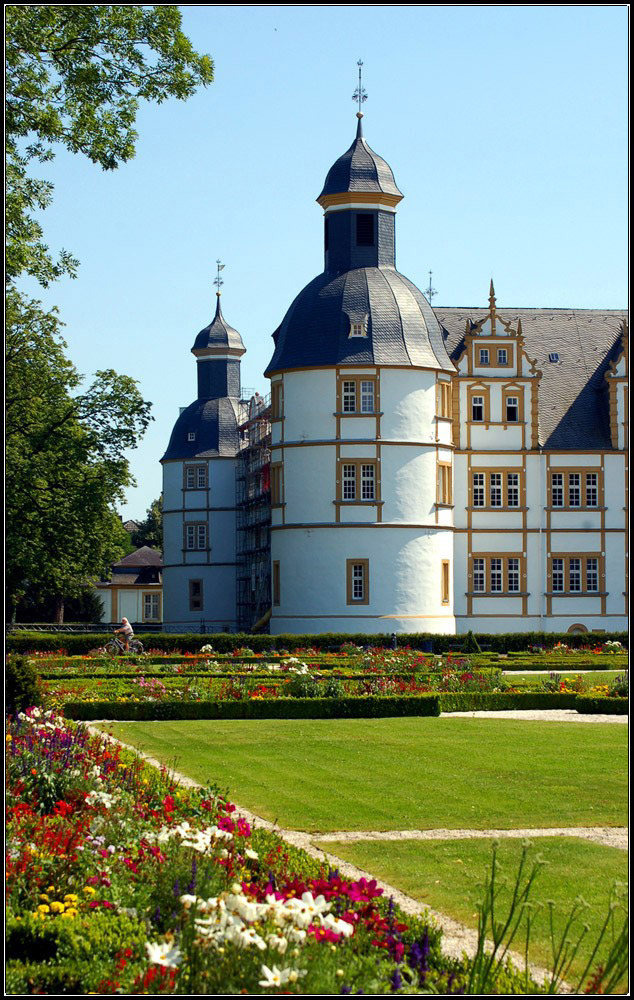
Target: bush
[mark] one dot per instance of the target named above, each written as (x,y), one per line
(590,705)
(271,708)
(222,642)
(505,701)
(22,684)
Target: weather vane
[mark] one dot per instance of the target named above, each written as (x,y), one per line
(218,280)
(360,95)
(430,291)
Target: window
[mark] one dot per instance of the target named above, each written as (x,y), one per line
(568,574)
(503,574)
(478,489)
(195,535)
(444,582)
(365,230)
(276,582)
(503,356)
(277,484)
(151,607)
(444,491)
(277,400)
(495,490)
(477,408)
(553,357)
(478,403)
(195,595)
(484,355)
(358,482)
(358,329)
(504,489)
(443,402)
(479,576)
(357,581)
(191,435)
(357,395)
(195,477)
(512,409)
(574,489)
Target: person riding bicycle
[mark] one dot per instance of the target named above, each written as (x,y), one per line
(126,633)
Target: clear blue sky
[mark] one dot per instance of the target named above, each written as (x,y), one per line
(506,128)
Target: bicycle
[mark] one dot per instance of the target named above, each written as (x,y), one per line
(117,648)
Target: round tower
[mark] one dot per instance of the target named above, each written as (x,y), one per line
(199,501)
(361,472)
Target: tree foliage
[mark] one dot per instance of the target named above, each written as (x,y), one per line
(74,77)
(64,463)
(150,530)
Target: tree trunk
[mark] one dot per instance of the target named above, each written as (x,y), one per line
(58,613)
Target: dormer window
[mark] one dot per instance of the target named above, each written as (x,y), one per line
(484,356)
(191,436)
(365,229)
(503,357)
(553,358)
(358,327)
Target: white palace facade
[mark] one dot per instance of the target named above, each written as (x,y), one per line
(429,470)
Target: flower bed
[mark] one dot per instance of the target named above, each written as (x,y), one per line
(119,881)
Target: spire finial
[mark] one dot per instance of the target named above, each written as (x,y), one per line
(218,282)
(430,291)
(360,95)
(491,296)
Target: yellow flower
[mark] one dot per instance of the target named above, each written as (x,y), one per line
(70,897)
(44,897)
(51,888)
(43,908)
(9,738)
(89,889)
(69,914)
(57,907)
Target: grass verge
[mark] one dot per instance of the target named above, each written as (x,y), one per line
(408,773)
(448,876)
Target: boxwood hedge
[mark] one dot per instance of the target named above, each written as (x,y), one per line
(601,706)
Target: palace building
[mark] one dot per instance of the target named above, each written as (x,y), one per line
(416,469)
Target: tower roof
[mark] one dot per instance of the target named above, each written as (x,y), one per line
(207,428)
(218,336)
(360,169)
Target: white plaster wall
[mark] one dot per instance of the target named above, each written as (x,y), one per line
(535,583)
(615,568)
(358,428)
(488,460)
(219,595)
(310,401)
(575,459)
(575,541)
(309,483)
(172,484)
(408,484)
(506,542)
(492,520)
(404,578)
(408,402)
(614,490)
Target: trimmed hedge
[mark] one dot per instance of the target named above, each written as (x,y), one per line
(221,642)
(266,708)
(505,701)
(590,705)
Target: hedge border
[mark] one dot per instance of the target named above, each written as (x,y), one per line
(265,708)
(502,642)
(591,705)
(505,701)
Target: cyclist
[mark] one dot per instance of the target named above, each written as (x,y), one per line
(126,633)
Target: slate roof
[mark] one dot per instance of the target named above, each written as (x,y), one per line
(142,567)
(573,403)
(401,326)
(218,334)
(143,556)
(215,424)
(360,169)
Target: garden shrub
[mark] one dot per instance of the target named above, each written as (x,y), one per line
(22,684)
(588,704)
(505,701)
(224,642)
(274,708)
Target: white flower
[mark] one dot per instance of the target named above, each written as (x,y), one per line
(277,977)
(188,901)
(163,954)
(251,854)
(278,943)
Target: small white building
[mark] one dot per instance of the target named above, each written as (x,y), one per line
(431,470)
(134,590)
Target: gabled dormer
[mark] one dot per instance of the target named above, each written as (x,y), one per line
(617,380)
(497,386)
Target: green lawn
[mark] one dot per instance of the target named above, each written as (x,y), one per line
(390,774)
(448,876)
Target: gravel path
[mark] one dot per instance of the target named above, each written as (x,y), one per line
(608,836)
(548,715)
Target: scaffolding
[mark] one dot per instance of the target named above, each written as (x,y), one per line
(253,518)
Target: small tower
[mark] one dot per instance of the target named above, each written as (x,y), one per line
(199,520)
(361,470)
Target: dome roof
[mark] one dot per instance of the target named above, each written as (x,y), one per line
(360,169)
(219,335)
(399,324)
(214,424)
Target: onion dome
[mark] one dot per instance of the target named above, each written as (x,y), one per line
(359,170)
(205,429)
(367,315)
(218,337)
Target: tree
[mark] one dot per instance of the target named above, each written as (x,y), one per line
(150,531)
(64,463)
(74,77)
